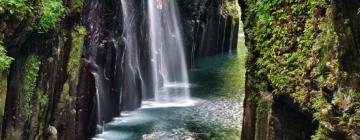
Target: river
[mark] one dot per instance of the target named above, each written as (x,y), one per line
(217,86)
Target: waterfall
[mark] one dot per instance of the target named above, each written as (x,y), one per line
(100,98)
(168,63)
(135,65)
(131,81)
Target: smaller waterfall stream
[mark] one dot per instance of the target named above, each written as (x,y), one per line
(99,90)
(131,81)
(169,69)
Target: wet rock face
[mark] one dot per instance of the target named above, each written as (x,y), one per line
(288,121)
(100,54)
(107,61)
(206,31)
(350,43)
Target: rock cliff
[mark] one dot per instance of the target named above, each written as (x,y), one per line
(302,70)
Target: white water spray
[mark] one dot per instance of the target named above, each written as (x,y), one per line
(169,69)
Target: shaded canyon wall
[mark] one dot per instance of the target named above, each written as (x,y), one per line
(42,81)
(302,69)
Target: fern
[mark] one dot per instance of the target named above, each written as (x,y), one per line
(53,12)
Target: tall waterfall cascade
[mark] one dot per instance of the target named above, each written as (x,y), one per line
(168,63)
(149,75)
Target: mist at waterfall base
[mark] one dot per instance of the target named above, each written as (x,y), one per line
(213,116)
(168,63)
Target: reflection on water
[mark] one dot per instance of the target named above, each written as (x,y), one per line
(215,110)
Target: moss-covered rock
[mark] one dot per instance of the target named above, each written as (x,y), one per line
(47,13)
(32,66)
(78,37)
(5,60)
(299,49)
(45,40)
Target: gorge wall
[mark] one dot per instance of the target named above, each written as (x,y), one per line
(53,52)
(302,69)
(44,40)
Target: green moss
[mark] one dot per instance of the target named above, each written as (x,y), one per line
(76,5)
(262,106)
(354,109)
(3,90)
(15,6)
(282,56)
(225,134)
(30,79)
(319,134)
(78,36)
(295,48)
(53,11)
(65,95)
(43,100)
(49,12)
(231,8)
(5,60)
(263,109)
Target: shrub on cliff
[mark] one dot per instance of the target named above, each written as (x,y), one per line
(5,60)
(47,12)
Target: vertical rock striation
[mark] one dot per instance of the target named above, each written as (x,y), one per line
(210,27)
(46,45)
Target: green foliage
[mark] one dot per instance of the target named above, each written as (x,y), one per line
(43,99)
(262,106)
(15,6)
(284,49)
(76,5)
(354,107)
(231,8)
(32,67)
(53,11)
(225,134)
(5,60)
(49,12)
(296,49)
(319,134)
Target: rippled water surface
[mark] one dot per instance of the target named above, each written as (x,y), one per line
(215,110)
